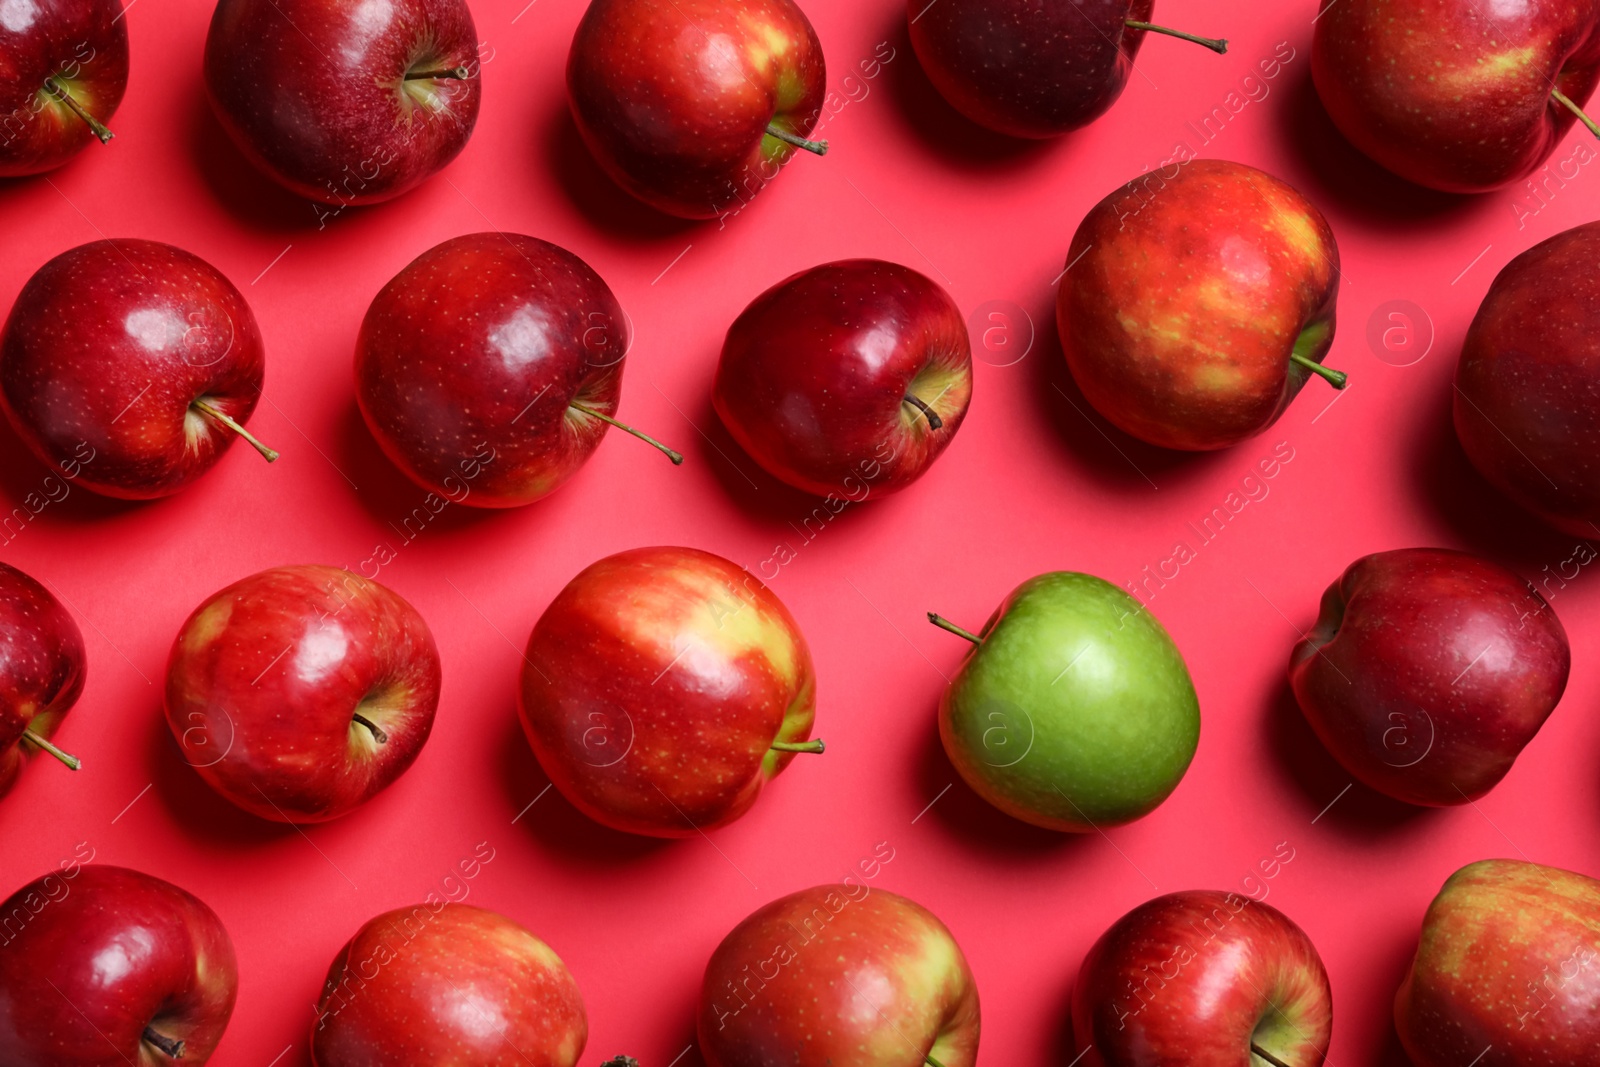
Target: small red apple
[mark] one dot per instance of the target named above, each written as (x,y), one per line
(663,687)
(42,667)
(301,692)
(63,69)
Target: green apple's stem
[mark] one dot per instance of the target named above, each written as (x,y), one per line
(377,731)
(1216,44)
(171,1046)
(945,624)
(59,91)
(1257,1050)
(676,457)
(1336,378)
(68,758)
(819,147)
(236,428)
(1583,116)
(930,1061)
(933,416)
(813,745)
(458,73)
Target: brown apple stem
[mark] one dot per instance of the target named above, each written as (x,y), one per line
(1216,44)
(236,428)
(458,73)
(1583,116)
(59,91)
(1336,378)
(819,147)
(945,624)
(68,758)
(621,1061)
(171,1046)
(1257,1050)
(377,731)
(933,416)
(676,457)
(814,745)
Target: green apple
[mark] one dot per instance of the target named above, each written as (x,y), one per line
(1073,710)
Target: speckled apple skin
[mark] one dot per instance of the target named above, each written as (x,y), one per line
(83,44)
(42,667)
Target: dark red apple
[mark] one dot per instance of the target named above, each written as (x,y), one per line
(63,69)
(1032,69)
(1202,979)
(693,106)
(1198,299)
(1527,389)
(42,666)
(445,983)
(1428,671)
(490,367)
(343,102)
(301,692)
(663,687)
(130,366)
(842,975)
(107,967)
(1460,95)
(848,379)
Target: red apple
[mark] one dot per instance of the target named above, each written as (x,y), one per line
(446,983)
(1202,979)
(1527,389)
(847,379)
(130,366)
(1429,671)
(342,102)
(1507,973)
(663,687)
(63,69)
(841,975)
(1460,95)
(300,692)
(490,367)
(694,105)
(107,967)
(42,666)
(1197,301)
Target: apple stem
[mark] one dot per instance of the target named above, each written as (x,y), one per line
(676,457)
(377,731)
(236,428)
(458,73)
(1216,44)
(945,624)
(930,1061)
(171,1046)
(819,147)
(934,420)
(621,1061)
(1583,116)
(1336,378)
(1257,1050)
(68,758)
(814,745)
(59,91)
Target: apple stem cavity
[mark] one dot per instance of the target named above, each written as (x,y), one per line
(59,91)
(819,147)
(1335,378)
(934,421)
(814,745)
(457,73)
(676,457)
(1258,1051)
(72,762)
(945,624)
(236,428)
(377,731)
(1583,116)
(1216,44)
(171,1046)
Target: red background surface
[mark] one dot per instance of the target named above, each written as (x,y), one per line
(1034,482)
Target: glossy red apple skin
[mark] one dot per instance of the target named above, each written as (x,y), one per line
(313,91)
(1529,994)
(1191,979)
(673,97)
(1186,295)
(842,975)
(1428,671)
(265,677)
(447,983)
(1527,389)
(815,373)
(469,360)
(655,684)
(1466,106)
(42,667)
(1024,68)
(83,45)
(105,954)
(106,350)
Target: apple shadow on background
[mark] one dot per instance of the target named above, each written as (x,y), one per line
(244,192)
(206,817)
(601,201)
(22,474)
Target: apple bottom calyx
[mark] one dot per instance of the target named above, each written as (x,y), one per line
(171,1046)
(59,91)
